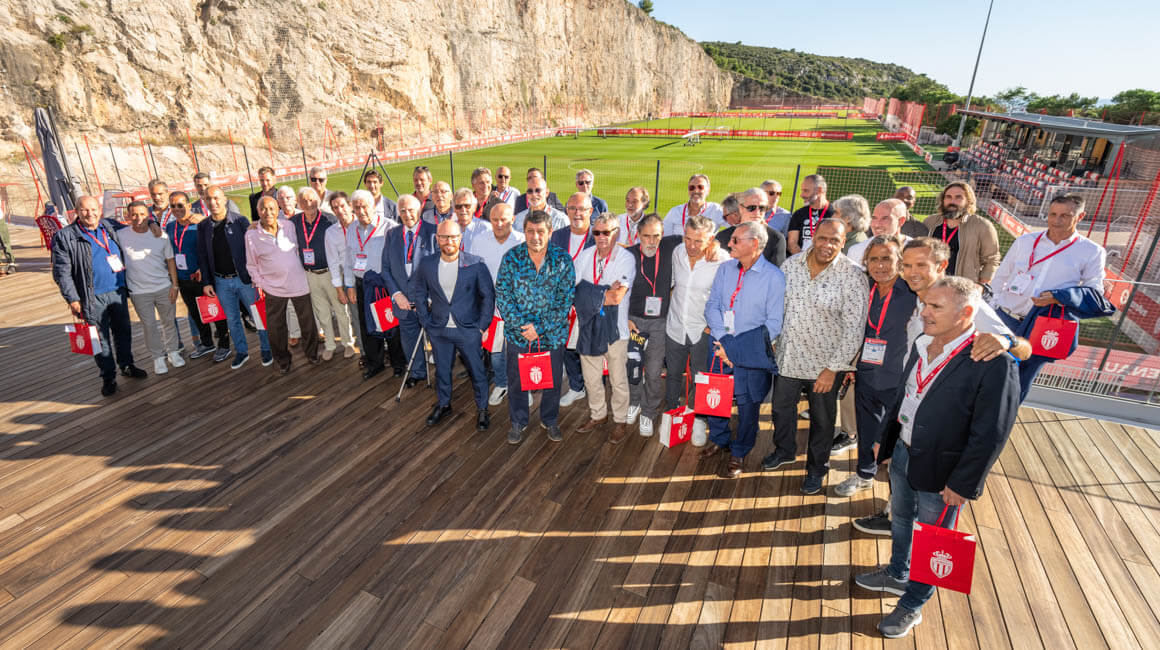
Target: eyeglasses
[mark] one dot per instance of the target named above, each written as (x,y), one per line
(752,208)
(575,208)
(535,190)
(774,193)
(602,233)
(315,179)
(503,176)
(737,240)
(448,237)
(176,205)
(696,187)
(462,206)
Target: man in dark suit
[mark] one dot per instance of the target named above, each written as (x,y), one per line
(575,238)
(454,301)
(752,205)
(405,246)
(948,427)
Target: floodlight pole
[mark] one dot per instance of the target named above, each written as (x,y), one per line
(971,89)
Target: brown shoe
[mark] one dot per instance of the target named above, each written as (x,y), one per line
(734,469)
(349,351)
(292,342)
(618,433)
(710,451)
(592,425)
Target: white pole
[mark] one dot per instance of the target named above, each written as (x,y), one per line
(971,89)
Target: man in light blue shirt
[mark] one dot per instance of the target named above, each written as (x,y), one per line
(777,217)
(744,314)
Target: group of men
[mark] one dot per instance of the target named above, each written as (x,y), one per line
(868,308)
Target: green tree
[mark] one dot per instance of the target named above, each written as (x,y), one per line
(1137,100)
(646,6)
(1015,99)
(1059,104)
(924,90)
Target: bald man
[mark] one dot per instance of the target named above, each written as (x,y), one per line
(913,227)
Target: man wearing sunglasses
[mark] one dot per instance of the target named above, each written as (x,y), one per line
(503,187)
(698,204)
(464,207)
(751,205)
(585,182)
(536,199)
(318,178)
(776,217)
(550,197)
(182,230)
(575,238)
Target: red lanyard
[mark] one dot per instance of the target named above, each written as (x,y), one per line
(361,242)
(165,217)
(947,238)
(656,270)
(632,232)
(595,277)
(740,277)
(105,235)
(204,209)
(317,220)
(821,213)
(685,211)
(881,314)
(1031,259)
(923,383)
(579,250)
(181,237)
(410,252)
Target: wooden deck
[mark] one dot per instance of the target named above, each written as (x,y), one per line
(211,508)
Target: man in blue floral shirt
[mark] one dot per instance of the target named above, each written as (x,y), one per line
(534,292)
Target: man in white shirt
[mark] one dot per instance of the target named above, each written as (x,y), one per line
(364,252)
(491,246)
(151,274)
(503,186)
(695,265)
(537,198)
(887,219)
(636,201)
(608,267)
(335,243)
(463,206)
(381,205)
(698,204)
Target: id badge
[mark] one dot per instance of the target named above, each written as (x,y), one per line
(652,306)
(360,262)
(408,267)
(908,408)
(729,320)
(179,260)
(115,263)
(874,351)
(308,256)
(1022,283)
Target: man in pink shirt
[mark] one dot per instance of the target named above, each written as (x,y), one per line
(277,274)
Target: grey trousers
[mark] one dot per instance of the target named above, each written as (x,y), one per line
(647,394)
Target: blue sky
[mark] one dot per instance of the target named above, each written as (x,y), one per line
(1093,48)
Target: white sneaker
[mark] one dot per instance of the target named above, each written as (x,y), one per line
(633,412)
(646,426)
(176,360)
(700,432)
(497,395)
(159,367)
(571,396)
(852,485)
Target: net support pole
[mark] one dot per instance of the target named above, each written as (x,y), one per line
(116,168)
(971,89)
(249,176)
(88,189)
(451,164)
(156,174)
(94,164)
(657,185)
(793,197)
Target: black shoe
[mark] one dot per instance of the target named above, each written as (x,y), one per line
(462,374)
(134,372)
(842,442)
(248,322)
(372,371)
(399,371)
(482,420)
(812,485)
(437,414)
(411,382)
(774,461)
(876,524)
(109,387)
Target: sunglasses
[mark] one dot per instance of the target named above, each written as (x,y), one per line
(503,175)
(774,193)
(315,179)
(176,205)
(737,240)
(583,182)
(696,187)
(535,190)
(751,208)
(462,206)
(602,233)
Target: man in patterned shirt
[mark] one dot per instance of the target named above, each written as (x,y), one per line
(826,299)
(534,292)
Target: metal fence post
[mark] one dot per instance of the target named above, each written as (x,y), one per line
(545,169)
(793,197)
(451,162)
(656,201)
(249,175)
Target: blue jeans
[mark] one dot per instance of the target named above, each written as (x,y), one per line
(113,328)
(575,373)
(499,367)
(871,408)
(231,292)
(908,505)
(446,341)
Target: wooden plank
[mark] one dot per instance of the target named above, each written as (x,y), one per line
(506,610)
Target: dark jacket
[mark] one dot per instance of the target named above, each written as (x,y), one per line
(562,237)
(472,303)
(236,226)
(961,425)
(754,363)
(596,320)
(374,290)
(72,264)
(774,248)
(394,268)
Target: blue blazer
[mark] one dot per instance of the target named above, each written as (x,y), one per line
(754,364)
(394,268)
(472,303)
(562,236)
(960,427)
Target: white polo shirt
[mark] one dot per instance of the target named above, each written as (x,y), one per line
(676,217)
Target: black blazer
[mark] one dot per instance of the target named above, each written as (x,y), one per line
(961,425)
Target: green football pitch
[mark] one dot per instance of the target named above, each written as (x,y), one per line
(662,164)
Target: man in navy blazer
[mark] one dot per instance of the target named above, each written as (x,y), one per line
(454,301)
(575,238)
(948,426)
(404,247)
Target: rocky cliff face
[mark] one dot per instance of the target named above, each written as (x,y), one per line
(111,68)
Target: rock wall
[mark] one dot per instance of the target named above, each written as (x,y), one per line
(752,92)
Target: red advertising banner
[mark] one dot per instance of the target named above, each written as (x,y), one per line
(883,136)
(732,133)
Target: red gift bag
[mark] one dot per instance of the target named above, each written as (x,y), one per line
(493,337)
(535,370)
(258,313)
(83,339)
(1053,337)
(573,330)
(210,309)
(383,311)
(713,394)
(676,426)
(943,557)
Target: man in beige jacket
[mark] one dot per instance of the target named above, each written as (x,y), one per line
(972,238)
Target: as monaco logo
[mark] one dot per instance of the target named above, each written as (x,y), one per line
(80,340)
(536,375)
(941,564)
(713,398)
(1049,339)
(389,314)
(212,309)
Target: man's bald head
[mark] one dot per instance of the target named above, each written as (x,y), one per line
(88,212)
(907,195)
(888,217)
